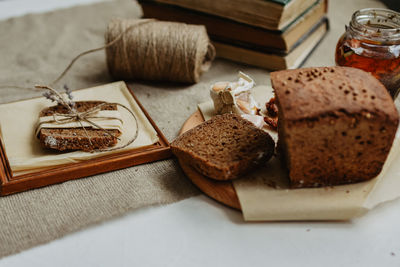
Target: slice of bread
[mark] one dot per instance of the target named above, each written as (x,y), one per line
(224,147)
(77,138)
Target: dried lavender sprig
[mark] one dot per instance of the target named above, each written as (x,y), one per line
(55,96)
(52,97)
(68,91)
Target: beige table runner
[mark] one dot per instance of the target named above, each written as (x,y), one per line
(35,48)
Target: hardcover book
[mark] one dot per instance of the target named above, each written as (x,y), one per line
(264,58)
(268,14)
(229,31)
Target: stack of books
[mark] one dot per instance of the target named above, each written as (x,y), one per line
(272,34)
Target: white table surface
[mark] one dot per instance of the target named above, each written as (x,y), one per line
(201,232)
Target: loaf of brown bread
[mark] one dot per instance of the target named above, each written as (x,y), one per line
(224,147)
(77,138)
(336,125)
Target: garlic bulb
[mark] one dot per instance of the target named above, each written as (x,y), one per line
(234,97)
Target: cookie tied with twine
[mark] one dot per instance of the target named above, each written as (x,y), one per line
(92,126)
(158,50)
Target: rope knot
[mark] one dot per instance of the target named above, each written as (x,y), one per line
(78,117)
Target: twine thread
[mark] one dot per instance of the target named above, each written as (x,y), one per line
(158,50)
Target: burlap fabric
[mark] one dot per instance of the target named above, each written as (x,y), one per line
(36,48)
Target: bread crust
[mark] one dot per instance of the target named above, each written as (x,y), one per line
(313,92)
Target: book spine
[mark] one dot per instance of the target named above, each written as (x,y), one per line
(226,30)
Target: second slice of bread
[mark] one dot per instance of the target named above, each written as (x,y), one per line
(224,147)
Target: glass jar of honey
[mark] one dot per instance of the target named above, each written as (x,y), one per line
(372,43)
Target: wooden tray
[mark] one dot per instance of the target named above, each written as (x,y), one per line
(222,191)
(10,184)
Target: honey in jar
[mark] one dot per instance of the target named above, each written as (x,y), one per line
(372,43)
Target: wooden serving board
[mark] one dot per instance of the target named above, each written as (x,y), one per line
(222,191)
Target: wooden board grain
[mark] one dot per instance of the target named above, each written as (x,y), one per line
(222,191)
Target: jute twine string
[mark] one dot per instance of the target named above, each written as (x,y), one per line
(109,43)
(152,50)
(157,50)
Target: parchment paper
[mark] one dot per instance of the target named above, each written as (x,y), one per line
(264,194)
(18,122)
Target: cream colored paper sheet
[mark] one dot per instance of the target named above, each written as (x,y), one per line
(25,154)
(264,193)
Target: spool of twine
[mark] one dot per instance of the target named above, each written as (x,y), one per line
(148,49)
(157,50)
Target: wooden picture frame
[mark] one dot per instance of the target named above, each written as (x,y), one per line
(61,173)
